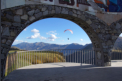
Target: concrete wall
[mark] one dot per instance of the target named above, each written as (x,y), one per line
(11,3)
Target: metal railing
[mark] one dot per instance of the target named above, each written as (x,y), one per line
(10,63)
(116,55)
(25,58)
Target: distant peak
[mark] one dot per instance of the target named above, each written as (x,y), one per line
(75,43)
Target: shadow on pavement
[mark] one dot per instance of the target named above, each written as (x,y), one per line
(65,72)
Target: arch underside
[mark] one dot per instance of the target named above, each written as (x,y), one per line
(16,19)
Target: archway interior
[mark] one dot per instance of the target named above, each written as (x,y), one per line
(116,54)
(44,32)
(51,30)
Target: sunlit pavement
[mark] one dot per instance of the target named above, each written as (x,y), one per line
(67,72)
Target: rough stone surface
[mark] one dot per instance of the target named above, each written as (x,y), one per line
(43,9)
(8,42)
(25,17)
(45,12)
(118,25)
(19,12)
(13,33)
(4,50)
(16,24)
(89,21)
(70,12)
(17,18)
(38,15)
(37,11)
(58,9)
(30,13)
(64,11)
(10,17)
(32,18)
(6,31)
(1,29)
(6,23)
(4,41)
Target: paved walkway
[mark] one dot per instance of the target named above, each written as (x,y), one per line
(67,72)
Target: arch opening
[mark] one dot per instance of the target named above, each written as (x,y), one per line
(13,24)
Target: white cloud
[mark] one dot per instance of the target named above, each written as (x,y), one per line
(81,39)
(41,37)
(83,44)
(51,32)
(35,30)
(36,35)
(18,41)
(52,37)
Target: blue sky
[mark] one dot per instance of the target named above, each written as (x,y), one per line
(51,30)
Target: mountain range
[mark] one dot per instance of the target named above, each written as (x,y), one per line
(47,46)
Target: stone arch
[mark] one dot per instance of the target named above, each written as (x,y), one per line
(112,33)
(16,19)
(116,27)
